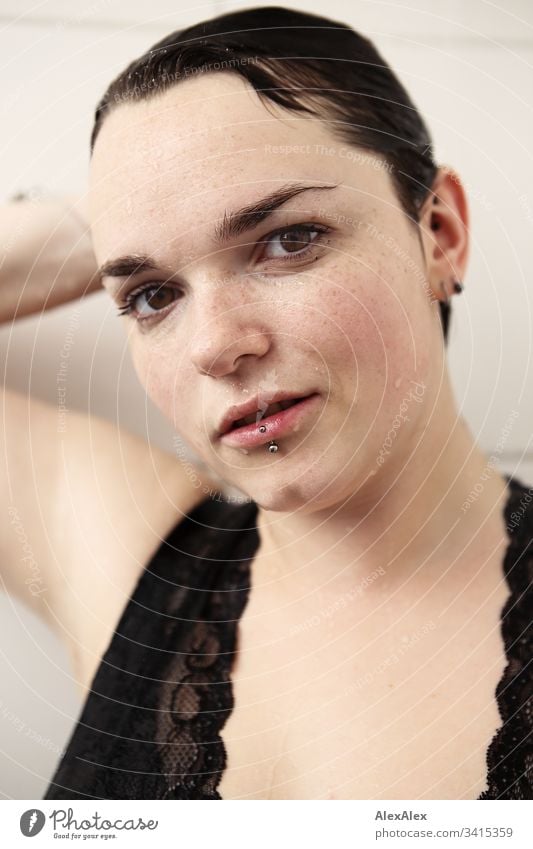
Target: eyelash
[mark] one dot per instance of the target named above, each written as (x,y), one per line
(127,307)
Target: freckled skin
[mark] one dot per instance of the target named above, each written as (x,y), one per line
(347,322)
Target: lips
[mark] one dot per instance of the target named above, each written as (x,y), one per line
(259,407)
(273,425)
(256,417)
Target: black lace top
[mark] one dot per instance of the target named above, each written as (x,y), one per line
(149,728)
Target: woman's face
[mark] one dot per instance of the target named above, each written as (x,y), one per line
(343,310)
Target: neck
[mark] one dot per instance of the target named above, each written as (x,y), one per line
(408,517)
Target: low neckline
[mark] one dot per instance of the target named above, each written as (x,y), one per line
(150,724)
(491,757)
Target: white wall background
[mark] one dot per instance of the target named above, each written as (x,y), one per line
(468,67)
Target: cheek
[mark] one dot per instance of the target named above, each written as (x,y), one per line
(171,384)
(377,327)
(161,373)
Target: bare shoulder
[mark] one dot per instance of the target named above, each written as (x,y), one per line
(118,499)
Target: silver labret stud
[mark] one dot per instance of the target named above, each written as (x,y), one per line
(262,429)
(272,447)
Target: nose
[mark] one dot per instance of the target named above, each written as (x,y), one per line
(225,338)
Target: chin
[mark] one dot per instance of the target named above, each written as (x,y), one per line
(303,496)
(310,491)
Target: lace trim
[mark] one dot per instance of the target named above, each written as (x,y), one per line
(510,754)
(150,727)
(194,711)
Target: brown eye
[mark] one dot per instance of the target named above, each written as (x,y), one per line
(293,242)
(149,300)
(160,298)
(289,243)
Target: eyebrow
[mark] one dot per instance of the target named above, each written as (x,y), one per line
(233,224)
(238,222)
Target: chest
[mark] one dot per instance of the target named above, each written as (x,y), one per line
(400,707)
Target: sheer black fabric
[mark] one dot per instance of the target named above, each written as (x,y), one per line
(150,726)
(510,754)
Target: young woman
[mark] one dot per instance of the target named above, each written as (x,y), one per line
(267,215)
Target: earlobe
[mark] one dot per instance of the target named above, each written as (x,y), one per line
(458,287)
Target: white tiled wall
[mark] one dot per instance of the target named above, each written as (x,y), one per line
(468,66)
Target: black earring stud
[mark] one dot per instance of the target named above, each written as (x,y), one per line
(457,287)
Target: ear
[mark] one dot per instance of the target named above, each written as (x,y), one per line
(444,224)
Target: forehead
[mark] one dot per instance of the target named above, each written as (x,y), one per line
(206,144)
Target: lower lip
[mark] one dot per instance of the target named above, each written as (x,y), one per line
(276,425)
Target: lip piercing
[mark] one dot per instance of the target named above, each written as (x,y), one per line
(272,446)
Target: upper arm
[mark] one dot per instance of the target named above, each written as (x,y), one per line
(118,498)
(85,506)
(28,497)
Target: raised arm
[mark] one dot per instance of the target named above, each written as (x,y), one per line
(81,511)
(46,259)
(46,255)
